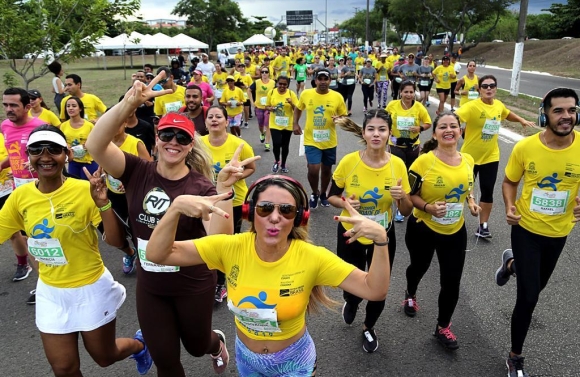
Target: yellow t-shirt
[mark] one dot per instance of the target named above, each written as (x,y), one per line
(219,80)
(129,146)
(262,91)
(222,155)
(283,117)
(283,286)
(319,128)
(239,56)
(444,183)
(470,85)
(6,185)
(551,183)
(444,75)
(382,70)
(247,81)
(416,116)
(234,95)
(30,210)
(170,103)
(482,123)
(359,63)
(93,106)
(251,70)
(371,187)
(47,116)
(75,137)
(391,59)
(283,63)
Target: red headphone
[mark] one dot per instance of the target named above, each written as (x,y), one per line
(303,212)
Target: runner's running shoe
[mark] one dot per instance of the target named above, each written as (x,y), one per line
(262,137)
(220,361)
(370,341)
(502,275)
(313,203)
(515,367)
(324,200)
(483,231)
(446,337)
(32,299)
(348,313)
(399,218)
(275,167)
(22,272)
(129,263)
(267,147)
(143,358)
(410,305)
(285,170)
(220,293)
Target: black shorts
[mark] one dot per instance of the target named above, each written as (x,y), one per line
(453,86)
(445,91)
(424,88)
(248,103)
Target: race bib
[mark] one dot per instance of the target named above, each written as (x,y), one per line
(115,185)
(47,251)
(246,96)
(332,82)
(172,107)
(301,76)
(472,94)
(21,181)
(261,320)
(79,151)
(349,81)
(549,202)
(454,212)
(284,73)
(424,82)
(382,78)
(321,136)
(367,81)
(381,218)
(148,265)
(491,127)
(281,121)
(6,187)
(405,123)
(233,104)
(263,101)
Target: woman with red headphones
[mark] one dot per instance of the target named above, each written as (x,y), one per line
(274,274)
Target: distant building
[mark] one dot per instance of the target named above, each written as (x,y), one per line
(161,23)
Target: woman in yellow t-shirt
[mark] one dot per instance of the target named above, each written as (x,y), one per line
(75,294)
(263,87)
(373,181)
(222,146)
(443,76)
(467,86)
(281,103)
(273,266)
(39,109)
(219,81)
(441,180)
(482,118)
(233,100)
(77,129)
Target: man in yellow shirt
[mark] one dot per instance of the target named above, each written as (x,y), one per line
(94,107)
(544,214)
(172,102)
(322,106)
(239,55)
(282,64)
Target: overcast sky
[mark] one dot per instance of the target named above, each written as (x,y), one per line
(338,11)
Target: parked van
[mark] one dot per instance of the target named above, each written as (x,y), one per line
(230,50)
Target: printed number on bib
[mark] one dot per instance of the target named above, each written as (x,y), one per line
(381,218)
(281,121)
(115,185)
(321,135)
(148,265)
(405,123)
(491,127)
(382,78)
(367,81)
(472,94)
(263,101)
(333,83)
(284,73)
(549,202)
(172,107)
(79,151)
(261,320)
(349,81)
(21,181)
(47,251)
(6,188)
(424,82)
(453,214)
(301,76)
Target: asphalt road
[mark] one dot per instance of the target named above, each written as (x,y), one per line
(406,345)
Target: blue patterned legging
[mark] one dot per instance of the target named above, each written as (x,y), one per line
(297,360)
(382,90)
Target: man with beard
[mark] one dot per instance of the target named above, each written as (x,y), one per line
(544,214)
(322,106)
(193,108)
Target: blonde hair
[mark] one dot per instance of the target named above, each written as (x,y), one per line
(199,158)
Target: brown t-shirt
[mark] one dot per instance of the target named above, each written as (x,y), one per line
(149,196)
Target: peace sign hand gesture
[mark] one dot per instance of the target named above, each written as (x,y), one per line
(234,170)
(200,206)
(361,226)
(140,93)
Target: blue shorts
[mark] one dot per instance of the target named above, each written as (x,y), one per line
(316,156)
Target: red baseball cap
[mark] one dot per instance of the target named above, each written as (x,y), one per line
(179,121)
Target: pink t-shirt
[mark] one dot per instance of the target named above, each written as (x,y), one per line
(206,92)
(15,140)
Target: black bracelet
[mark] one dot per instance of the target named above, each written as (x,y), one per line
(381,243)
(425,207)
(232,195)
(421,128)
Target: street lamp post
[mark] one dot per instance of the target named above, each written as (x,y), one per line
(326,22)
(367,33)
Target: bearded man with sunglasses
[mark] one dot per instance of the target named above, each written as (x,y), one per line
(482,118)
(16,129)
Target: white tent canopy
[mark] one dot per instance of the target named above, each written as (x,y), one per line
(258,39)
(122,41)
(157,41)
(186,42)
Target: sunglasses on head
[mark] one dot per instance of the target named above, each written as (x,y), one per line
(264,209)
(168,135)
(488,86)
(37,150)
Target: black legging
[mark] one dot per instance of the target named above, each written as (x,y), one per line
(347,92)
(368,94)
(535,257)
(451,254)
(407,154)
(361,256)
(487,177)
(165,320)
(281,140)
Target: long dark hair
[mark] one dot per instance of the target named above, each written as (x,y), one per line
(431,144)
(81,106)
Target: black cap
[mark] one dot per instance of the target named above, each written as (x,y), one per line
(33,93)
(445,57)
(323,72)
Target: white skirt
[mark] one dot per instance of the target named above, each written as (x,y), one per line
(68,310)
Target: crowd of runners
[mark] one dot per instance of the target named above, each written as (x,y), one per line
(162,176)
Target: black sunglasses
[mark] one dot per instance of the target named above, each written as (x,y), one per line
(265,72)
(52,149)
(488,86)
(168,135)
(264,209)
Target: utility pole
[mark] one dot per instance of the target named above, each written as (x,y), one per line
(326,22)
(368,33)
(519,50)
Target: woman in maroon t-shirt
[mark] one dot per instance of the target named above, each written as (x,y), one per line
(169,298)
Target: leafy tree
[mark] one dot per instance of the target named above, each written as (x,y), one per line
(568,18)
(215,21)
(63,29)
(419,21)
(543,25)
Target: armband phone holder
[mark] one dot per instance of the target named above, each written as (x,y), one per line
(415,181)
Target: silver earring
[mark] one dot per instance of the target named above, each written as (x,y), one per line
(65,159)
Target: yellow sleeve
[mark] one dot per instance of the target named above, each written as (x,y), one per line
(332,270)
(10,218)
(515,168)
(293,97)
(424,116)
(100,106)
(301,104)
(213,249)
(338,176)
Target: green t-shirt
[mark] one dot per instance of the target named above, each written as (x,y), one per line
(300,72)
(309,58)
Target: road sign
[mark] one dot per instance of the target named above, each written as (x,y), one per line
(298,17)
